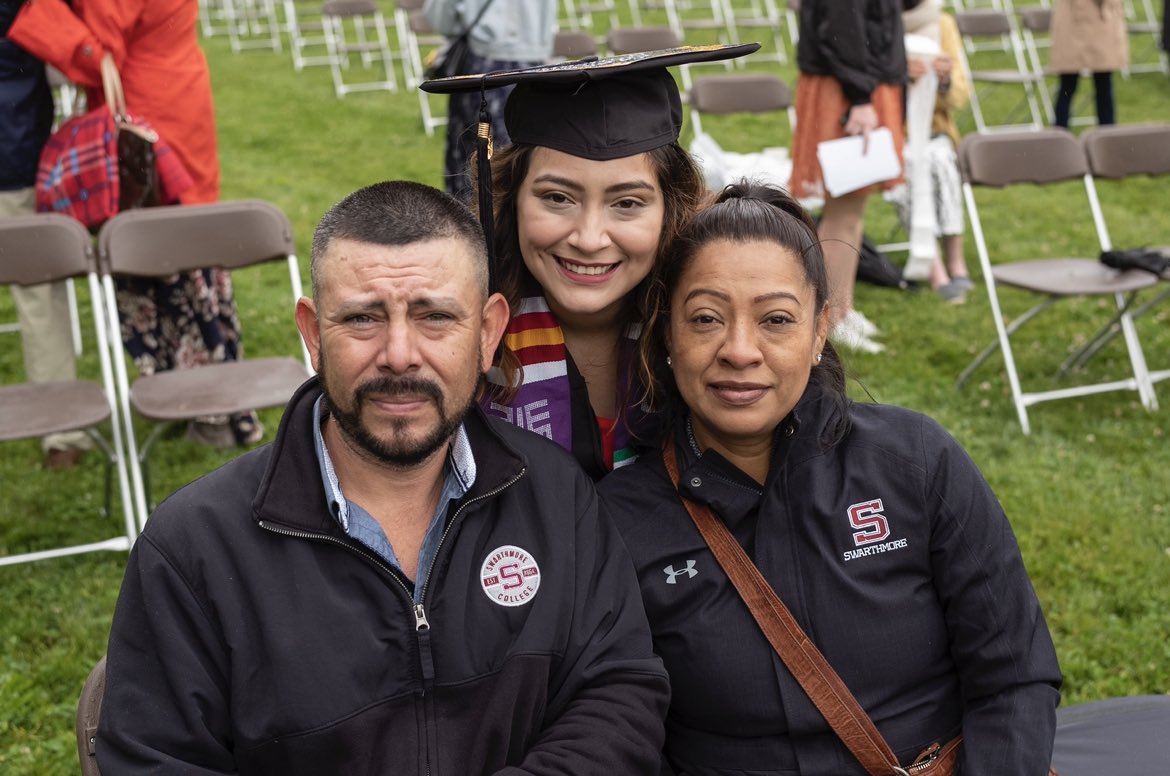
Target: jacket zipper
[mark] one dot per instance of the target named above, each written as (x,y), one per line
(925,760)
(455,519)
(422,626)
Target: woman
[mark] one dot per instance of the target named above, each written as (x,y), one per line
(950,280)
(1087,35)
(592,188)
(852,66)
(191,320)
(868,521)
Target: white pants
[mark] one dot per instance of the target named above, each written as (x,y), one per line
(948,188)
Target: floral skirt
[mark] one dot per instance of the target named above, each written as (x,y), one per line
(820,104)
(183,322)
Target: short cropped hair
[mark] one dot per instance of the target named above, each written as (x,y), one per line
(399,213)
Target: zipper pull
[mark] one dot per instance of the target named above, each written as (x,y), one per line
(420,618)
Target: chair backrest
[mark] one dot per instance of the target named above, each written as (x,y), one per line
(43,247)
(632,40)
(983,23)
(89,709)
(1128,149)
(36,249)
(349,8)
(1036,19)
(749,93)
(157,242)
(574,44)
(1028,156)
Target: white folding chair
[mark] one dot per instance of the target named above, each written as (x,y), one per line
(305,24)
(161,242)
(414,36)
(212,18)
(997,26)
(1119,152)
(763,16)
(1145,39)
(356,29)
(252,24)
(42,248)
(1043,157)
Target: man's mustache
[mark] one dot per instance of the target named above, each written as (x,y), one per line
(399,386)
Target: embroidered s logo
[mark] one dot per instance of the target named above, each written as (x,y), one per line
(510,576)
(872,526)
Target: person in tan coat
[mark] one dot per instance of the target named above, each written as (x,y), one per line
(1087,35)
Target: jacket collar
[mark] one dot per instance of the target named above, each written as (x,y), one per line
(711,479)
(292,494)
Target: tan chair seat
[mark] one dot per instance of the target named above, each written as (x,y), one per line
(1070,277)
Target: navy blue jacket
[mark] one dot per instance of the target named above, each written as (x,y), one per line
(26,108)
(253,636)
(894,556)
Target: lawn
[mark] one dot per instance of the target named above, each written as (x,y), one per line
(1086,491)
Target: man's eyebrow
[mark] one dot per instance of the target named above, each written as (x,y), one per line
(359,305)
(435,303)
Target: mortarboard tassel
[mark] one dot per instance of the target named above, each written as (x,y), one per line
(483,155)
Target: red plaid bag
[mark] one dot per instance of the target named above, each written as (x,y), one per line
(78,174)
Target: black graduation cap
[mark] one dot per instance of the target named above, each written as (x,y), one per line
(593,108)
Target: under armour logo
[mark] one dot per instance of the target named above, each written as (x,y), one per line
(671,574)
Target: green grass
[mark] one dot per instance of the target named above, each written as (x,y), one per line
(1087,491)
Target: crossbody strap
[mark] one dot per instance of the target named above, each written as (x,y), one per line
(482,10)
(826,690)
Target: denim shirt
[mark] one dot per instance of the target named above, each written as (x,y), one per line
(458,477)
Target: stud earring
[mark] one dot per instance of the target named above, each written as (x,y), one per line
(818,358)
(669,362)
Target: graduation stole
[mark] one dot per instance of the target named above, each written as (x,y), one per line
(541,404)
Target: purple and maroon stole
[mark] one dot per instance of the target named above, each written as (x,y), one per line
(541,405)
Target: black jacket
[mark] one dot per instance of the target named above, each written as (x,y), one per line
(858,42)
(252,636)
(920,602)
(26,108)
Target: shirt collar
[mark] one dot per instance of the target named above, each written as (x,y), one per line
(460,464)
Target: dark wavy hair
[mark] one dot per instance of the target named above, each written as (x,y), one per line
(742,212)
(683,191)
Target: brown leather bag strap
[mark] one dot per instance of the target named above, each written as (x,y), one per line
(826,690)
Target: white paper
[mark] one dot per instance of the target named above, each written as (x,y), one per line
(845,167)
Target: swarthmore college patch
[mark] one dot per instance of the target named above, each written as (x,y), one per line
(510,576)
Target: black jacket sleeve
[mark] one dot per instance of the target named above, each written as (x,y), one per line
(1008,671)
(840,30)
(610,694)
(166,704)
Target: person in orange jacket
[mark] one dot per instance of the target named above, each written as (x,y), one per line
(166,80)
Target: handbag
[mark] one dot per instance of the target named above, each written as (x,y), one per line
(810,668)
(450,59)
(103,162)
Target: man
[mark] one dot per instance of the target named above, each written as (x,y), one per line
(26,116)
(397,584)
